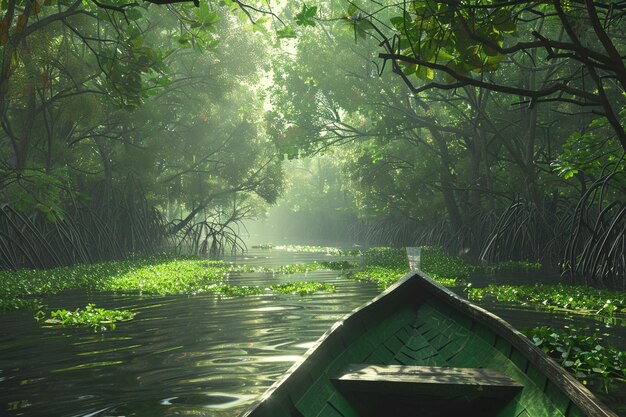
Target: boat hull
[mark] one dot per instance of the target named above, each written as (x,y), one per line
(418,324)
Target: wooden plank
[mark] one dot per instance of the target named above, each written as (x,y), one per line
(426,380)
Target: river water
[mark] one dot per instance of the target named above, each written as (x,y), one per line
(202,355)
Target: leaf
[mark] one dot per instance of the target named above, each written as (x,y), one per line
(397,22)
(424,72)
(206,16)
(286,33)
(133,14)
(306,15)
(503,21)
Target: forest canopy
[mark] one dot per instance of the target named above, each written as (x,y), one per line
(494,129)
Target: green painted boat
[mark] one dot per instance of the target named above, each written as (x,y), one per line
(420,350)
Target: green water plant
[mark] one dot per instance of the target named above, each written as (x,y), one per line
(582,351)
(160,275)
(299,287)
(577,298)
(153,275)
(386,265)
(444,268)
(315,266)
(303,288)
(177,277)
(382,265)
(337,265)
(18,303)
(329,250)
(510,266)
(383,277)
(391,258)
(99,319)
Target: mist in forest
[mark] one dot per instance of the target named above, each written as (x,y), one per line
(141,129)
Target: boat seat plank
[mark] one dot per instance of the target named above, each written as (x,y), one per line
(427,380)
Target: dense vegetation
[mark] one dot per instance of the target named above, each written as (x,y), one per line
(458,130)
(132,128)
(488,130)
(581,351)
(569,297)
(161,275)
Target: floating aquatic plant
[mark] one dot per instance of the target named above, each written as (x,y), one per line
(303,288)
(298,287)
(578,298)
(99,319)
(581,351)
(319,249)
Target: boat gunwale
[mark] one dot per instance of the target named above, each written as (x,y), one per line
(584,399)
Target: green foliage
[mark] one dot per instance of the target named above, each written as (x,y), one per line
(590,150)
(461,39)
(446,269)
(580,351)
(19,303)
(303,288)
(306,16)
(319,249)
(386,257)
(286,33)
(383,276)
(509,265)
(163,275)
(299,268)
(35,189)
(382,265)
(124,104)
(99,319)
(578,298)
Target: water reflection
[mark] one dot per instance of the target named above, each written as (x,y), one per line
(200,355)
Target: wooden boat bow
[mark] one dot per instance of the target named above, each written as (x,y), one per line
(418,349)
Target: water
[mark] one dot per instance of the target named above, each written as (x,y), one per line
(202,355)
